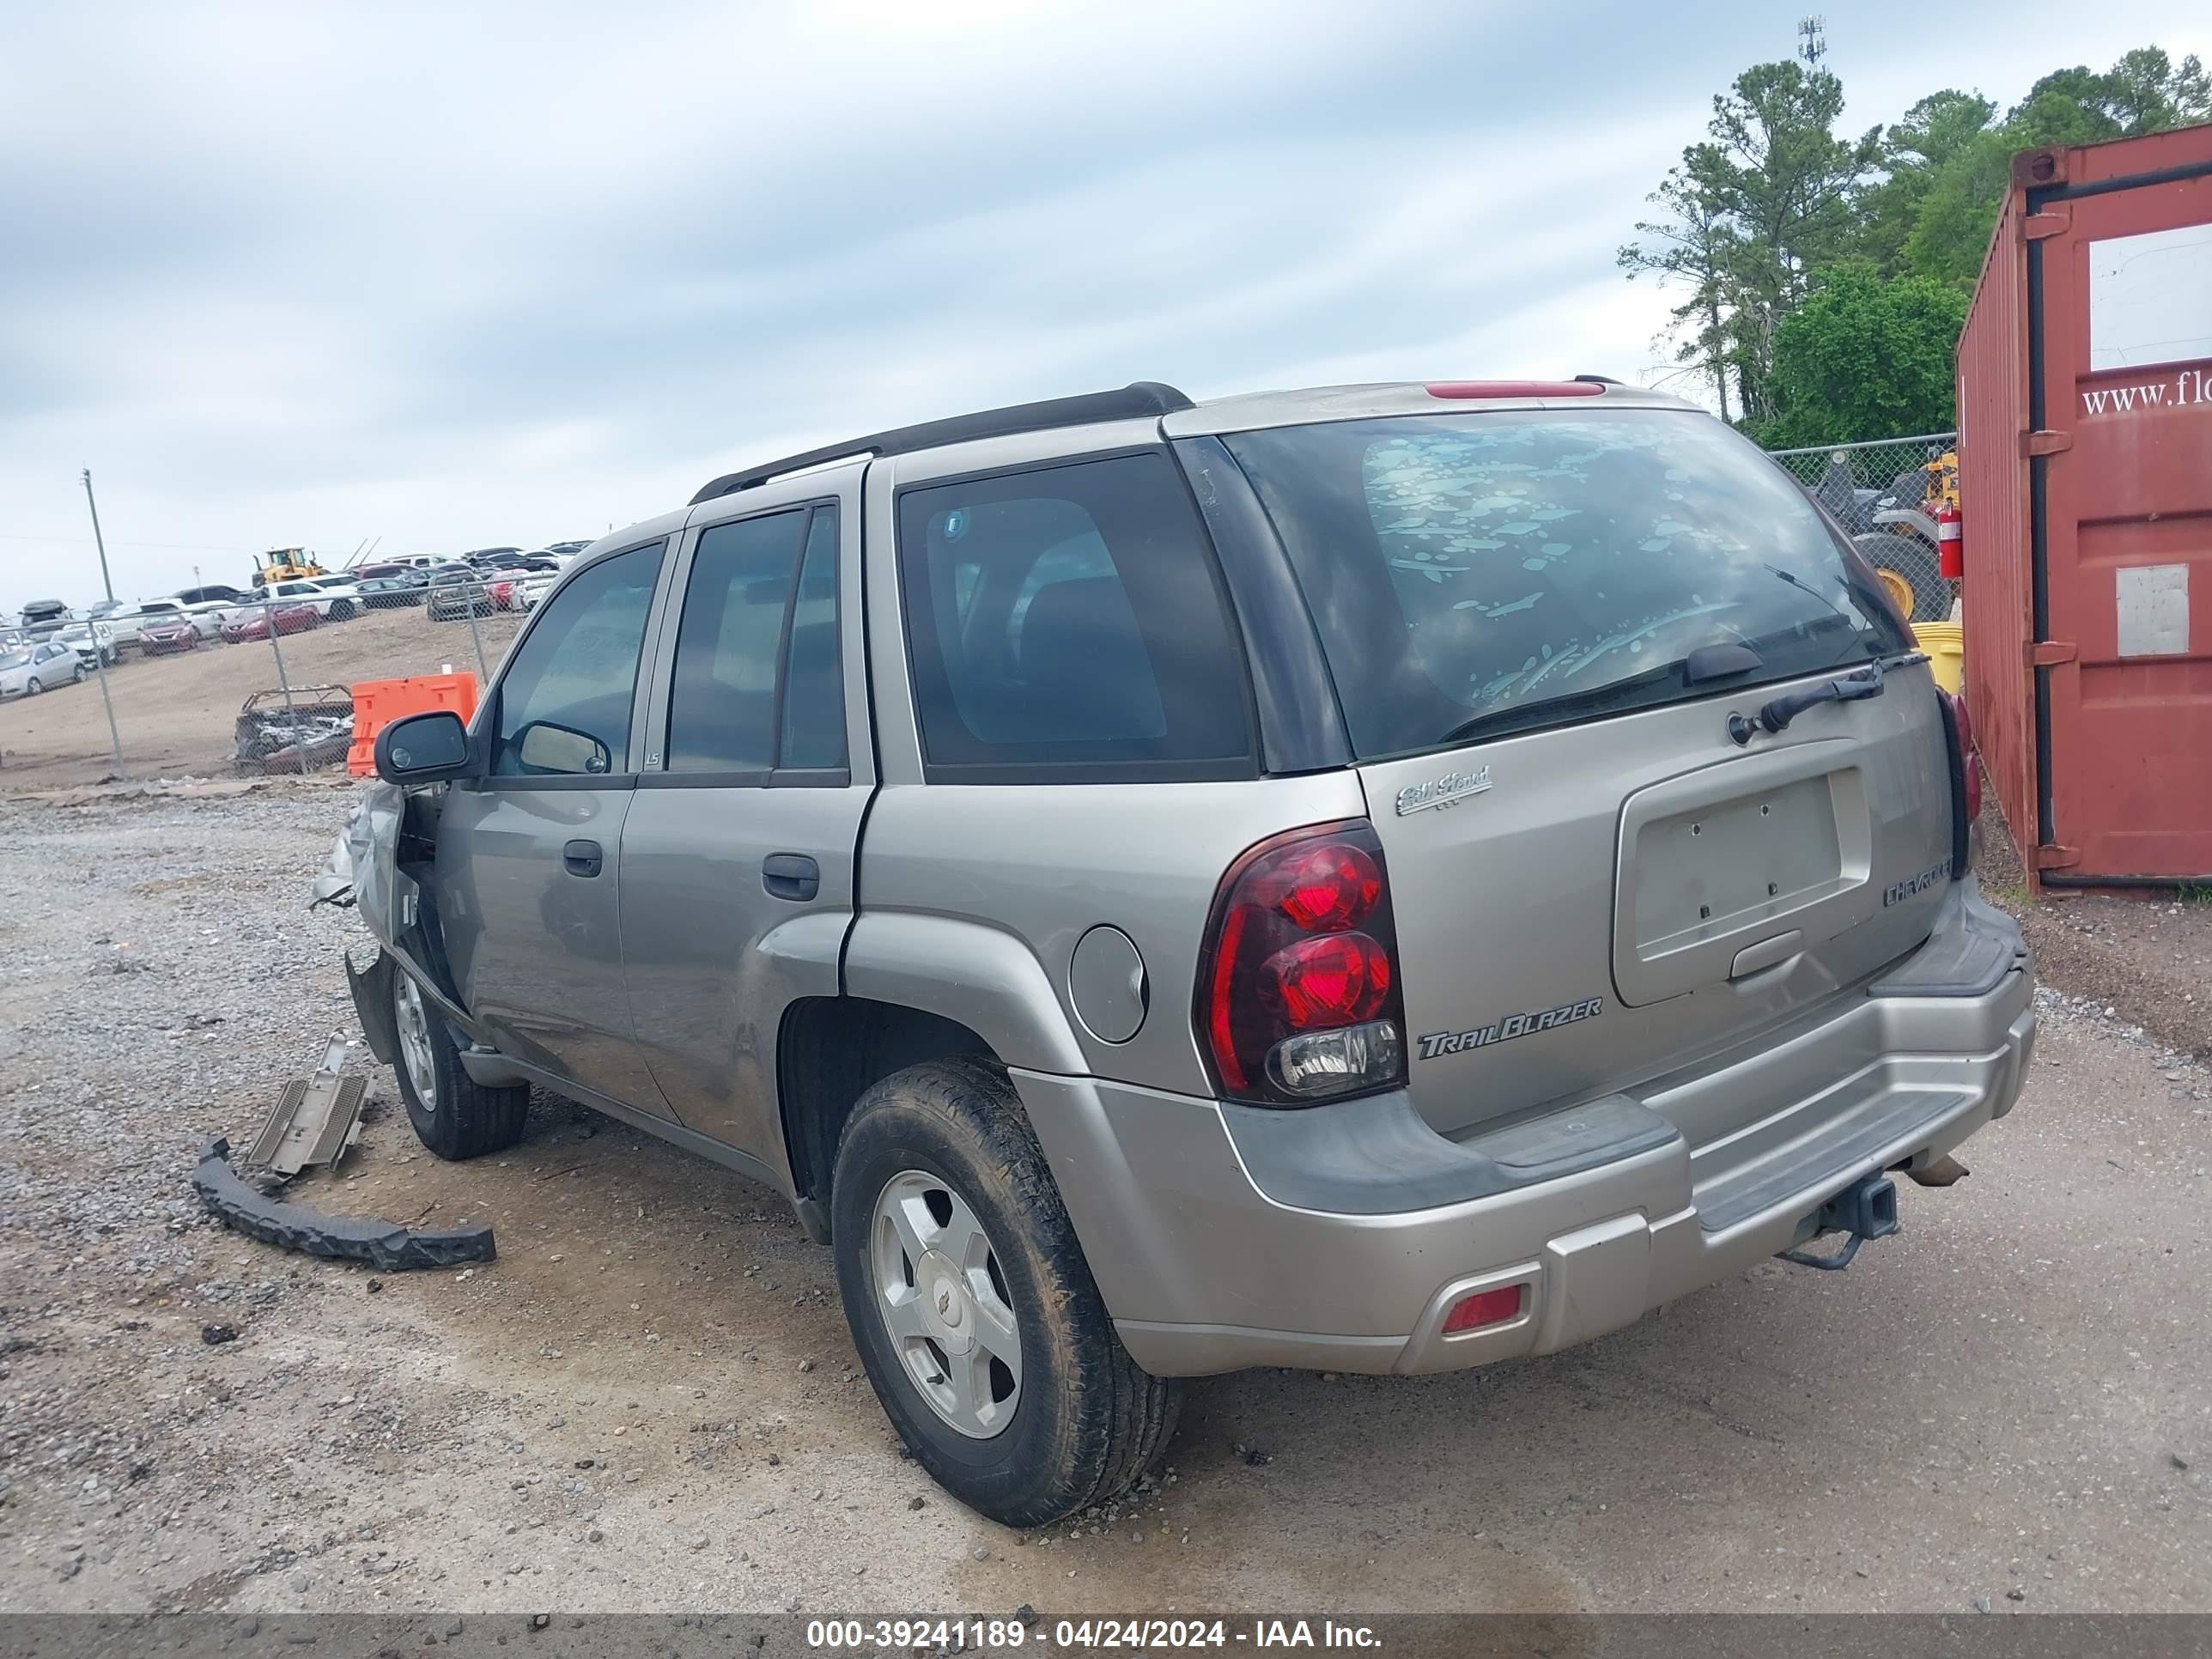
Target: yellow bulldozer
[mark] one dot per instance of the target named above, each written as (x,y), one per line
(285,564)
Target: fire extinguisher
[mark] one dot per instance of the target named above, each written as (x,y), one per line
(1950,542)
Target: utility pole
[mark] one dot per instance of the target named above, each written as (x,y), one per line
(96,541)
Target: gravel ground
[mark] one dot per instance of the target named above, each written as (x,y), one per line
(649,1400)
(2148,953)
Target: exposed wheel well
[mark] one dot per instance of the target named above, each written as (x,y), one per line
(830,1051)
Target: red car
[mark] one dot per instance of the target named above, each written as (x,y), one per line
(155,638)
(288,618)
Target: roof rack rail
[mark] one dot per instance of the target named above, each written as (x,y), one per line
(1137,398)
(1595,379)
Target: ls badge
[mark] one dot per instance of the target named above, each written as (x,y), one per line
(1447,791)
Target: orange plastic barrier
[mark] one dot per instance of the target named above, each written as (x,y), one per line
(377,703)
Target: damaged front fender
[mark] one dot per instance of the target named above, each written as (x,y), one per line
(364,867)
(372,1002)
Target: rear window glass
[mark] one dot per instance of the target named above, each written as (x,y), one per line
(1481,573)
(1067,616)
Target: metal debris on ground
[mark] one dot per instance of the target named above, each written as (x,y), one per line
(383,1244)
(314,1120)
(295,730)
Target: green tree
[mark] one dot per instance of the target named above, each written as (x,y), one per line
(1864,354)
(1788,185)
(1693,245)
(1750,214)
(1915,152)
(2144,92)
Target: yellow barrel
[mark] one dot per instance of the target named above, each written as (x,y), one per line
(1946,646)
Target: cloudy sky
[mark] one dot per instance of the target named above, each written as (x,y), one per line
(457,275)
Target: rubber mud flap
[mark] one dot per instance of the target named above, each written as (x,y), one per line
(382,1244)
(371,1001)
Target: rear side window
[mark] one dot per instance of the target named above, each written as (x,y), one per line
(1475,574)
(814,684)
(1068,618)
(756,683)
(722,703)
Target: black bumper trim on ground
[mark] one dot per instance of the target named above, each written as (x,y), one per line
(354,1239)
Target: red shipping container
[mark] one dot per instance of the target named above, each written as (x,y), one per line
(2085,476)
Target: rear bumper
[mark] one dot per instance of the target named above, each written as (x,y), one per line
(1219,1242)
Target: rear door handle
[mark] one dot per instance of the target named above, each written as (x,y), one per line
(582,858)
(790,876)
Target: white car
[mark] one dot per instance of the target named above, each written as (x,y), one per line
(205,616)
(334,601)
(30,669)
(92,641)
(530,587)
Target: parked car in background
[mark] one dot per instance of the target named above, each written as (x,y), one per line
(257,620)
(94,642)
(45,616)
(160,637)
(528,591)
(334,599)
(39,665)
(213,592)
(566,549)
(126,621)
(457,593)
(101,609)
(402,587)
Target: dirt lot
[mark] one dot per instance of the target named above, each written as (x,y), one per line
(177,713)
(650,1401)
(2146,956)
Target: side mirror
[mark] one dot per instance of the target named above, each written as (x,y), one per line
(543,747)
(427,748)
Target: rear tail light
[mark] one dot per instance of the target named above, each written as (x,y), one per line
(1965,779)
(1297,988)
(1970,766)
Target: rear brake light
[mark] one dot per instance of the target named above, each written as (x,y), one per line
(1298,985)
(1472,1313)
(1514,389)
(1969,768)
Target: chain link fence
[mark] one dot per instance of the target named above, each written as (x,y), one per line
(1885,494)
(262,687)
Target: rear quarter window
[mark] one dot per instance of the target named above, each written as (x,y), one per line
(1067,621)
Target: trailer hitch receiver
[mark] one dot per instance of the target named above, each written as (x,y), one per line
(1866,1209)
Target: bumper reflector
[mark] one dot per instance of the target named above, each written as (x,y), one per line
(1472,1313)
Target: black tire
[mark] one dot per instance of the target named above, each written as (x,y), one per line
(343,611)
(1088,1421)
(462,1118)
(76,675)
(33,688)
(1909,557)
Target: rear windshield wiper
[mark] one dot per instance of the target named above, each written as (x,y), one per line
(1775,715)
